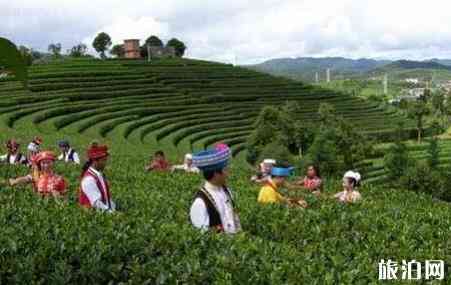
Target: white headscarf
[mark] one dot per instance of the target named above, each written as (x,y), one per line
(351,174)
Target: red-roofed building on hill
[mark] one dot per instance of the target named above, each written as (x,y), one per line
(131,49)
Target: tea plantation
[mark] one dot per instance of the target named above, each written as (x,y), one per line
(178,106)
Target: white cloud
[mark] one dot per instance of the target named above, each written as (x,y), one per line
(249,31)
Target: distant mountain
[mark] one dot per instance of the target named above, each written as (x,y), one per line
(446,62)
(410,64)
(305,68)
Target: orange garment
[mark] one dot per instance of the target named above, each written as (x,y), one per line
(46,184)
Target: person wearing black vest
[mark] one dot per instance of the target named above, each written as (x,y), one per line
(68,154)
(13,156)
(213,206)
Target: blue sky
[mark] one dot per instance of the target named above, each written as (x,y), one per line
(245,31)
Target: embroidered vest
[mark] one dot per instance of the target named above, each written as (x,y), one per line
(104,192)
(70,157)
(212,210)
(17,160)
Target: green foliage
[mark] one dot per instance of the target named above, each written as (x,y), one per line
(397,160)
(118,50)
(101,44)
(55,49)
(11,59)
(178,45)
(418,110)
(433,153)
(276,149)
(78,50)
(26,55)
(324,153)
(154,41)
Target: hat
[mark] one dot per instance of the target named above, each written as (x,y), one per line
(351,174)
(63,143)
(97,151)
(45,155)
(10,144)
(212,159)
(269,161)
(282,171)
(37,140)
(188,156)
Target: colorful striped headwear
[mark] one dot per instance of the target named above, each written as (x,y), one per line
(212,159)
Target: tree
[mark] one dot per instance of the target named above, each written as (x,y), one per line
(78,50)
(326,114)
(418,111)
(178,46)
(11,59)
(396,159)
(55,49)
(118,50)
(154,41)
(102,43)
(26,55)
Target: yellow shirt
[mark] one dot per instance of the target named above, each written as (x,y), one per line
(269,194)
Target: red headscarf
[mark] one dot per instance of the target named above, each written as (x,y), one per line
(97,151)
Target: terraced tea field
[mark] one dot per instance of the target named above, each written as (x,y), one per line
(179,104)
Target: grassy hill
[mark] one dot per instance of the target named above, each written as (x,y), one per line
(179,105)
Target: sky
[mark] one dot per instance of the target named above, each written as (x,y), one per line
(239,31)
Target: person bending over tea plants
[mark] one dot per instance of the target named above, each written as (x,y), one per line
(264,171)
(68,154)
(13,157)
(269,193)
(312,182)
(44,181)
(351,180)
(213,206)
(187,165)
(159,162)
(94,188)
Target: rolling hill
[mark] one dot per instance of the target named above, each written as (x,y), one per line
(179,104)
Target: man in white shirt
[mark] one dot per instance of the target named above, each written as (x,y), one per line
(94,188)
(213,206)
(68,154)
(13,156)
(187,165)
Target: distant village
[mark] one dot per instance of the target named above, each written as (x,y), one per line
(417,89)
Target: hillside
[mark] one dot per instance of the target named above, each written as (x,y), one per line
(305,68)
(178,104)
